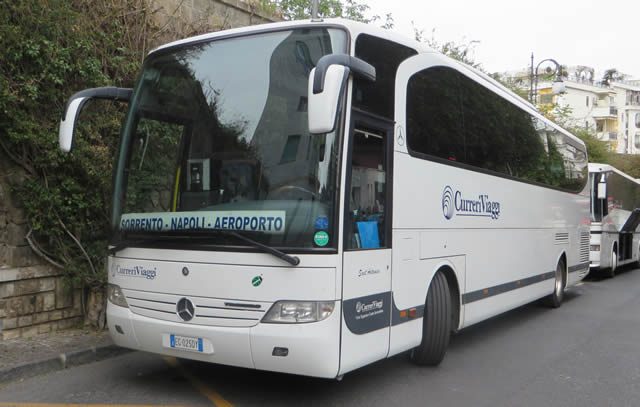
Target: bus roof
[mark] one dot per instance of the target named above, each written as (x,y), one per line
(353,27)
(596,167)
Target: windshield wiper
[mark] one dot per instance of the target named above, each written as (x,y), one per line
(293,260)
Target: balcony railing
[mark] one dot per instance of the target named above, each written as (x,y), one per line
(605,111)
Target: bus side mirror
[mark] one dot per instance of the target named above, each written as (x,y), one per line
(323,106)
(602,190)
(326,84)
(75,104)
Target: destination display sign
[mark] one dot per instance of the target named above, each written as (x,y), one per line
(254,221)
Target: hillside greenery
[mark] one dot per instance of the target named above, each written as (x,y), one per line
(49,50)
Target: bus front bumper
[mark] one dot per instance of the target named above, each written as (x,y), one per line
(312,349)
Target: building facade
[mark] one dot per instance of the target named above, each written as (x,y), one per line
(611,112)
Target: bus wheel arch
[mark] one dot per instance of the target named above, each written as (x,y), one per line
(441,314)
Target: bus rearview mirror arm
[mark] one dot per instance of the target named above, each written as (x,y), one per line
(75,104)
(326,83)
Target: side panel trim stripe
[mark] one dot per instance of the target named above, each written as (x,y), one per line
(506,287)
(579,267)
(485,293)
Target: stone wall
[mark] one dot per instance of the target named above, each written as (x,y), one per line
(189,17)
(33,299)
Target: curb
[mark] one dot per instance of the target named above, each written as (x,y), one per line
(60,362)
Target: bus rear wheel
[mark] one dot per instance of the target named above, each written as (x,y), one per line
(611,273)
(555,300)
(436,328)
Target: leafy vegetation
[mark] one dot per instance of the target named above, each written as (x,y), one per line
(301,9)
(462,52)
(51,48)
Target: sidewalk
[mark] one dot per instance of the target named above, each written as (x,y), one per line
(27,357)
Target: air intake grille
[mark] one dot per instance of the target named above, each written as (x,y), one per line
(208,311)
(562,238)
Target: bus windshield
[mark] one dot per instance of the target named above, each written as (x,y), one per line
(217,138)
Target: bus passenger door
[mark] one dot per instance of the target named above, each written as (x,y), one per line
(366,288)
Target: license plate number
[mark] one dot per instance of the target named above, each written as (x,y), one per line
(186,343)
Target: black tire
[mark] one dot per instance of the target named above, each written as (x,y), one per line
(555,300)
(436,328)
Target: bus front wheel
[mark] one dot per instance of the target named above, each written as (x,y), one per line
(436,328)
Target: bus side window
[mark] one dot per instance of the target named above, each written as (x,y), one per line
(366,220)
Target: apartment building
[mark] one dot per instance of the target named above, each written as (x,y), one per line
(611,112)
(628,103)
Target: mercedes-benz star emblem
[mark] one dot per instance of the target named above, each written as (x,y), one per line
(185,309)
(185,271)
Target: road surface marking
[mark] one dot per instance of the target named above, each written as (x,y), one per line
(77,405)
(214,397)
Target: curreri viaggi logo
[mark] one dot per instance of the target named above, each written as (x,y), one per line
(135,271)
(454,202)
(447,202)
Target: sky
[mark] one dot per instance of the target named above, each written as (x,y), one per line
(600,34)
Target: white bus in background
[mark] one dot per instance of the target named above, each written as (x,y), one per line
(311,197)
(615,217)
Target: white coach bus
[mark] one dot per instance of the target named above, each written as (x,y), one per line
(615,217)
(311,197)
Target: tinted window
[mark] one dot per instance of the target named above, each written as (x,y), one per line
(454,118)
(622,193)
(377,97)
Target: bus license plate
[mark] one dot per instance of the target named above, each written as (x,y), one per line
(186,343)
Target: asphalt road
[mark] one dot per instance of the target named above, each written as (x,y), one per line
(586,353)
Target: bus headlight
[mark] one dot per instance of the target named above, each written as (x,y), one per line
(292,312)
(115,295)
(595,248)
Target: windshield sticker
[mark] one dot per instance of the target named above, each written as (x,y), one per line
(253,221)
(321,238)
(322,223)
(257,280)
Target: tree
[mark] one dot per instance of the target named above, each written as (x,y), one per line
(49,49)
(461,52)
(597,150)
(301,9)
(612,75)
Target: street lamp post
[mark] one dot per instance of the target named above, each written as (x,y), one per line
(558,85)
